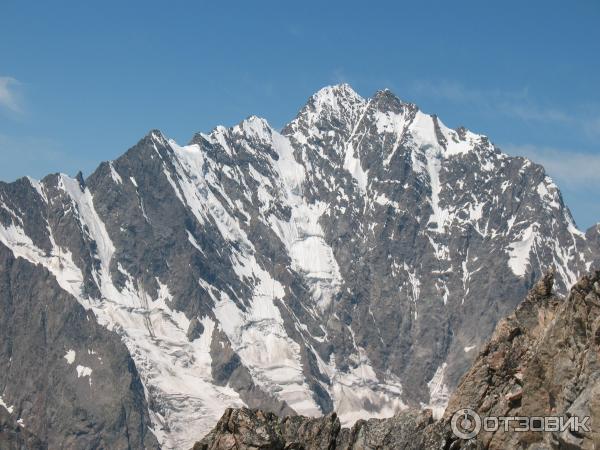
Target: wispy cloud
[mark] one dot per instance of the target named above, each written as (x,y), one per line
(571,168)
(339,75)
(459,93)
(516,104)
(10,98)
(592,127)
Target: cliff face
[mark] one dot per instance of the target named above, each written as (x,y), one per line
(542,361)
(65,381)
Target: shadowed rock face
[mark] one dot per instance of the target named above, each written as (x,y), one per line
(542,360)
(66,382)
(14,436)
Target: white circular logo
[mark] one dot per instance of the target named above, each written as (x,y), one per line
(465,423)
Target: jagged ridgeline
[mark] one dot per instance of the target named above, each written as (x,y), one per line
(354,261)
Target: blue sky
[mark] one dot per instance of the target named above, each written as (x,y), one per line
(80,82)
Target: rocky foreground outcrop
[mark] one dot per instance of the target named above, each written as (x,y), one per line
(254,429)
(542,361)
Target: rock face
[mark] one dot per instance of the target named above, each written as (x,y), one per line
(251,429)
(14,436)
(337,265)
(66,381)
(247,428)
(542,361)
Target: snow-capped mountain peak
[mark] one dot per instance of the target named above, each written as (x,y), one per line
(337,264)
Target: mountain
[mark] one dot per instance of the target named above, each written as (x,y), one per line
(355,261)
(66,379)
(542,361)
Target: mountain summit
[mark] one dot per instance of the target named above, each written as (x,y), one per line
(339,264)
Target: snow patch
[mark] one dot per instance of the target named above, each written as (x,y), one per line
(59,262)
(415,287)
(84,371)
(114,174)
(70,356)
(439,393)
(10,409)
(439,214)
(394,124)
(352,165)
(194,243)
(519,250)
(302,235)
(39,187)
(548,193)
(422,129)
(352,161)
(358,393)
(258,336)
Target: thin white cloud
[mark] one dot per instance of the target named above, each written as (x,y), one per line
(459,93)
(516,104)
(9,96)
(570,168)
(535,113)
(339,75)
(592,127)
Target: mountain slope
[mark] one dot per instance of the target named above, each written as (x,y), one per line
(542,361)
(65,379)
(339,264)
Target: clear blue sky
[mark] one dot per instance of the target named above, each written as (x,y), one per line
(80,82)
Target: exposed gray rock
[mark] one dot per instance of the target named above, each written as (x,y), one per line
(68,381)
(14,437)
(195,329)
